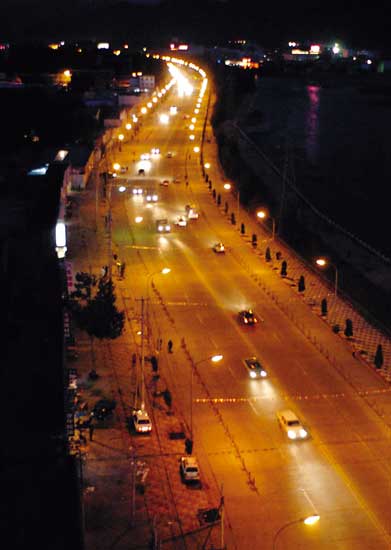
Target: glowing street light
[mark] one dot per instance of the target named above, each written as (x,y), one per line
(192,137)
(263,215)
(120,139)
(138,219)
(309,520)
(116,166)
(323,262)
(128,126)
(196,149)
(144,110)
(227,186)
(207,165)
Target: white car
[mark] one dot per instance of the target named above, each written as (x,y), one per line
(192,214)
(291,425)
(155,151)
(219,248)
(188,468)
(181,221)
(145,156)
(141,421)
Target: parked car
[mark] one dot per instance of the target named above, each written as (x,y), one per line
(141,421)
(103,408)
(189,470)
(181,221)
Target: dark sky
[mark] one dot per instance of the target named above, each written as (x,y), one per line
(205,21)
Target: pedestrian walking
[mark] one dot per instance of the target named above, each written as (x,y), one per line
(169,346)
(91,430)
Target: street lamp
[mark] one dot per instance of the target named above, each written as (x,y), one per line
(214,359)
(309,520)
(263,215)
(121,137)
(322,262)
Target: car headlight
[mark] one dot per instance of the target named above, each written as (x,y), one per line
(291,434)
(263,373)
(168,227)
(303,433)
(160,228)
(154,197)
(253,374)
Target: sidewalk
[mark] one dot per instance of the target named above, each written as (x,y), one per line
(119,512)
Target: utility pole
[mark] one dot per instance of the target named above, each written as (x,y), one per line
(142,356)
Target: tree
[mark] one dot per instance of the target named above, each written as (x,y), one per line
(301,285)
(242,229)
(268,256)
(379,359)
(254,240)
(97,315)
(284,266)
(348,328)
(323,306)
(233,220)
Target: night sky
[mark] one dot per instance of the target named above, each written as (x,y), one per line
(354,24)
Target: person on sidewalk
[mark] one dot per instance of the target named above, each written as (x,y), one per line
(169,346)
(122,270)
(91,428)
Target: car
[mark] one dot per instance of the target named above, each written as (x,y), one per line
(163,226)
(123,169)
(169,155)
(137,191)
(254,367)
(141,421)
(176,180)
(141,172)
(145,156)
(291,425)
(191,211)
(189,470)
(248,317)
(164,182)
(192,214)
(103,408)
(151,197)
(155,151)
(219,248)
(181,221)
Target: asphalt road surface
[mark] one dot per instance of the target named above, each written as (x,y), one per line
(342,471)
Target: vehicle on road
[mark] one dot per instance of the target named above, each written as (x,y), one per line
(141,172)
(141,421)
(123,169)
(247,317)
(191,211)
(145,156)
(169,155)
(155,151)
(254,367)
(188,469)
(164,182)
(151,197)
(219,248)
(163,226)
(137,191)
(181,221)
(291,425)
